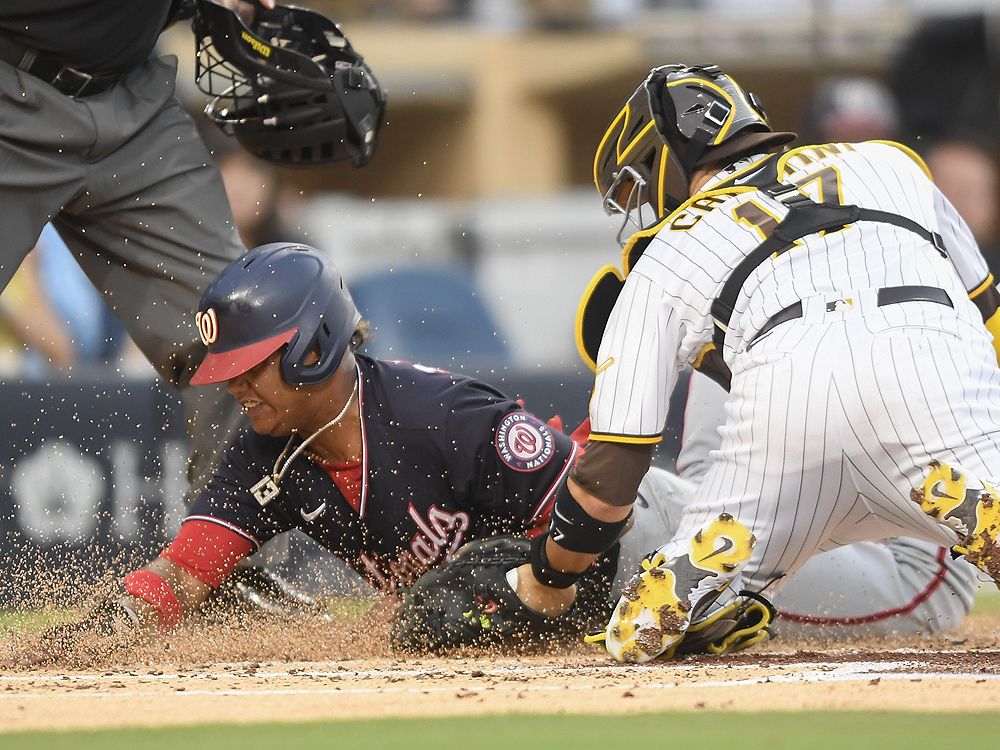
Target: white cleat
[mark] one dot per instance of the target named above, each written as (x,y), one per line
(649,618)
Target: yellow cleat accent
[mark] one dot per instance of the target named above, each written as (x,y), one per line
(980,547)
(649,619)
(943,491)
(722,546)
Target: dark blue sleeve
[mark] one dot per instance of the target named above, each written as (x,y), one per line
(504,463)
(227,499)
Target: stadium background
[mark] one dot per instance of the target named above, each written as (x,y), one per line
(467,241)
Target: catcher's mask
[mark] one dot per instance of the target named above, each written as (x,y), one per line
(289,86)
(278,295)
(678,119)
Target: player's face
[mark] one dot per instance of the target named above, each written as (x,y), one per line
(274,407)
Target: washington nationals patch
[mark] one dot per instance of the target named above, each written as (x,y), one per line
(524,442)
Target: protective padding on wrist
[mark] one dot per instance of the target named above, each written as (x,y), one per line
(573,529)
(543,571)
(153,588)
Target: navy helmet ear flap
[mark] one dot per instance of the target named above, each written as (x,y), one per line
(329,335)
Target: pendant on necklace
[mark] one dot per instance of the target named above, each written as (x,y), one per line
(265,490)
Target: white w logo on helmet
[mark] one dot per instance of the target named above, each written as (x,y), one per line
(208,326)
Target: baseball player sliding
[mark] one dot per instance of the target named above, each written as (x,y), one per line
(393,467)
(93,138)
(839,296)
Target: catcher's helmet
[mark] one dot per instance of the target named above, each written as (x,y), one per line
(278,294)
(680,118)
(289,86)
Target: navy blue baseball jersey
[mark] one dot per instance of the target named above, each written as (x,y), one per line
(445,459)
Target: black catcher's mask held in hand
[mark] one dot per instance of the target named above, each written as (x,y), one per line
(288,86)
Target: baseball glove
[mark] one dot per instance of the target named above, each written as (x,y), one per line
(467,602)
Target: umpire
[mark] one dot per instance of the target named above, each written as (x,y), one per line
(93,139)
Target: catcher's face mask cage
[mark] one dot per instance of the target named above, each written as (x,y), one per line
(698,110)
(632,166)
(289,86)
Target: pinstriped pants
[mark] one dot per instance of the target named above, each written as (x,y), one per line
(831,422)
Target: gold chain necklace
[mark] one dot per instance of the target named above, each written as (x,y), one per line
(267,488)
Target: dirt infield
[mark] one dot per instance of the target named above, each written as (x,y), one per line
(174,683)
(268,692)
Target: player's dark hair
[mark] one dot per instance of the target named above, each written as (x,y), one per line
(361,334)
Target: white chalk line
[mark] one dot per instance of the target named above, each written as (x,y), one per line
(349,673)
(331,670)
(814,673)
(816,677)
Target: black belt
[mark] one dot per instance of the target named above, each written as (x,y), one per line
(887,295)
(66,80)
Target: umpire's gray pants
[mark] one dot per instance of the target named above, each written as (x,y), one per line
(128,183)
(898,586)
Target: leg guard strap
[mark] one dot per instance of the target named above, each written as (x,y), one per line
(543,571)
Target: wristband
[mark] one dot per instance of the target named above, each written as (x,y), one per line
(543,572)
(153,588)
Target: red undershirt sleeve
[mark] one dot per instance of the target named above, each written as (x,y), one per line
(207,551)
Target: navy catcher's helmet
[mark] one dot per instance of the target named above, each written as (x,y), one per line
(281,294)
(681,117)
(288,85)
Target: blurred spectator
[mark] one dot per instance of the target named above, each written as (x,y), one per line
(946,77)
(54,316)
(966,172)
(850,109)
(29,323)
(259,198)
(96,335)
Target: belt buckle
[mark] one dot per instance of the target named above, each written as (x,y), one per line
(84,80)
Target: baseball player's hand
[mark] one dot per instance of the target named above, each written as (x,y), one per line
(538,597)
(468,601)
(111,626)
(247,10)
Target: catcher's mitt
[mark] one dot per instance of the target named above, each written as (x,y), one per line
(467,602)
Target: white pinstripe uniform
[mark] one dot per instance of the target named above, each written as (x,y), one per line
(833,417)
(894,586)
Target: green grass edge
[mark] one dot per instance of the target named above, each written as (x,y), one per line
(824,730)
